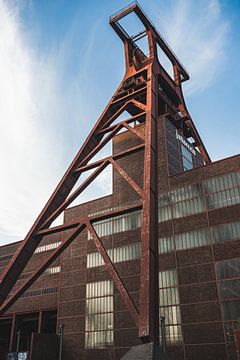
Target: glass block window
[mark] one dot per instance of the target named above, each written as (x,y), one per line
(49,271)
(99,314)
(215,193)
(200,237)
(228,280)
(192,239)
(186,158)
(117,224)
(183,241)
(225,232)
(165,244)
(47,247)
(164,207)
(223,190)
(118,254)
(39,292)
(126,253)
(228,269)
(52,270)
(188,201)
(169,306)
(181,202)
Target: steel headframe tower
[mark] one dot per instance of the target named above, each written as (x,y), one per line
(139,93)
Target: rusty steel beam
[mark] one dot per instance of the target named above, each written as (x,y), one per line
(114,157)
(9,302)
(130,96)
(149,303)
(26,249)
(123,108)
(108,214)
(114,275)
(134,131)
(78,227)
(127,178)
(75,194)
(137,117)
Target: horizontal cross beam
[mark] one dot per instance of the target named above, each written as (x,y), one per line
(114,157)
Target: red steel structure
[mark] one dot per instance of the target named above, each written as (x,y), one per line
(138,93)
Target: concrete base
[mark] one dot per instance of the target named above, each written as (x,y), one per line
(149,351)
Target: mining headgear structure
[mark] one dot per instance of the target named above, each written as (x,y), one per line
(161,253)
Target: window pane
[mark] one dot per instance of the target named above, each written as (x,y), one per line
(99,314)
(229,289)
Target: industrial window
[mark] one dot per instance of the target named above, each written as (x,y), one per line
(228,279)
(95,259)
(201,237)
(186,158)
(223,190)
(181,202)
(164,207)
(122,253)
(99,314)
(192,239)
(117,224)
(49,271)
(188,201)
(169,306)
(40,292)
(6,257)
(225,232)
(47,247)
(165,244)
(52,270)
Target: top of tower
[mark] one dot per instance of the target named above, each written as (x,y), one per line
(123,34)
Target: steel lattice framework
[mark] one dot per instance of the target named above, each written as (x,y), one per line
(138,93)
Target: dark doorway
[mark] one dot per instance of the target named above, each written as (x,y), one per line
(27,324)
(5,334)
(49,322)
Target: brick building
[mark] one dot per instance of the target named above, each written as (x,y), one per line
(199,260)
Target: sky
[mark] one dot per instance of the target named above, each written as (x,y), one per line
(60,63)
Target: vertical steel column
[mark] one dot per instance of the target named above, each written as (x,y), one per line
(40,319)
(13,329)
(149,322)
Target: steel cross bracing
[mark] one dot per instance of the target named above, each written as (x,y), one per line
(139,94)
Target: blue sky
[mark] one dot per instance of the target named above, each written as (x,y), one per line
(60,62)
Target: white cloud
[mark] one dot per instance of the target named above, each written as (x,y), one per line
(197,31)
(30,153)
(39,99)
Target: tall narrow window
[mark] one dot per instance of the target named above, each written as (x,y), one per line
(228,277)
(99,314)
(186,158)
(169,306)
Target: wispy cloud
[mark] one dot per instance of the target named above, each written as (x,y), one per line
(197,31)
(37,104)
(26,174)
